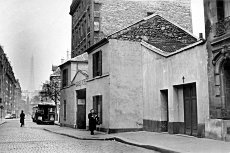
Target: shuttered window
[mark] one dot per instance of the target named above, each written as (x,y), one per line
(220,9)
(65,77)
(64,110)
(97,64)
(97,106)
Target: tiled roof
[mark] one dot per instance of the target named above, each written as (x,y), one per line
(168,46)
(158,32)
(118,14)
(79,58)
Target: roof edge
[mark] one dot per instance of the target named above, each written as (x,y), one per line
(97,45)
(159,51)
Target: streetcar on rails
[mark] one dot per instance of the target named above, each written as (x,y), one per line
(45,113)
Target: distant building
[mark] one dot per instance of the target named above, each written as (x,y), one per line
(7,85)
(55,82)
(18,97)
(93,20)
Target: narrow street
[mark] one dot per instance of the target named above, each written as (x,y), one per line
(32,138)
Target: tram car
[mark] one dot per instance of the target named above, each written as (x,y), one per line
(45,113)
(34,111)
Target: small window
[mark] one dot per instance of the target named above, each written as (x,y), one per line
(97,64)
(220,9)
(97,106)
(64,110)
(65,77)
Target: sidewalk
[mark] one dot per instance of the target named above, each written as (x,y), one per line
(2,121)
(161,142)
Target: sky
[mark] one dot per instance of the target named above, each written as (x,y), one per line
(38,28)
(42,28)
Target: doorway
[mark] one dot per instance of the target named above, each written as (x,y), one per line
(226,86)
(81,109)
(190,109)
(165,114)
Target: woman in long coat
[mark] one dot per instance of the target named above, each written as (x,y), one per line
(22,117)
(93,118)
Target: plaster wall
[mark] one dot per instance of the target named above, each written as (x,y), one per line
(126,101)
(161,73)
(82,66)
(69,95)
(99,86)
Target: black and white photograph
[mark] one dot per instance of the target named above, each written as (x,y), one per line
(114,76)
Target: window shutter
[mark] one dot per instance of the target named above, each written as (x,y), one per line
(94,65)
(95,103)
(100,63)
(100,108)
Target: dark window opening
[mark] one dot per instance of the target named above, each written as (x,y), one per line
(65,77)
(64,110)
(97,64)
(220,9)
(97,106)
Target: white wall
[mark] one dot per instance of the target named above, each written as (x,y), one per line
(166,73)
(126,104)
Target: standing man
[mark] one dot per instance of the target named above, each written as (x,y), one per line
(93,118)
(22,117)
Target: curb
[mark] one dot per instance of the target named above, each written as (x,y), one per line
(114,138)
(3,123)
(80,138)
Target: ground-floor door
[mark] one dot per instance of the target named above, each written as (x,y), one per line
(164,107)
(81,109)
(190,109)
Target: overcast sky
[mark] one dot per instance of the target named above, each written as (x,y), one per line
(41,28)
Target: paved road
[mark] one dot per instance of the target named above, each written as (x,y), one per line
(32,138)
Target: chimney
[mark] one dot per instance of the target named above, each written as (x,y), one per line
(67,55)
(62,60)
(201,36)
(149,13)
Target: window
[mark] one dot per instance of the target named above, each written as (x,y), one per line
(97,106)
(64,110)
(65,77)
(220,9)
(97,64)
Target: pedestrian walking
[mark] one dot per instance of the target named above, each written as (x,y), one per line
(93,119)
(22,117)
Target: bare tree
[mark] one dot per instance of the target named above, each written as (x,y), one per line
(51,91)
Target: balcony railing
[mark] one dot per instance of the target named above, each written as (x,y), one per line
(222,27)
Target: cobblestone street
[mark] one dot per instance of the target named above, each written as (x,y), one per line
(32,138)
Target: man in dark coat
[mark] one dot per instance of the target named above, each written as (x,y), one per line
(22,117)
(93,118)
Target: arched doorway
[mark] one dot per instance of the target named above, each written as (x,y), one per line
(225,92)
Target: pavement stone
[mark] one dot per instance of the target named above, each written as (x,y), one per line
(2,121)
(162,142)
(33,139)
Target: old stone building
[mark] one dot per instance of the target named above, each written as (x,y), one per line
(7,85)
(132,84)
(93,20)
(18,96)
(217,29)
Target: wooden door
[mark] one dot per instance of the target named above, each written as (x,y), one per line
(227,85)
(190,109)
(81,114)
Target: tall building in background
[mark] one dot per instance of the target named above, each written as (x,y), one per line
(93,20)
(31,87)
(8,86)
